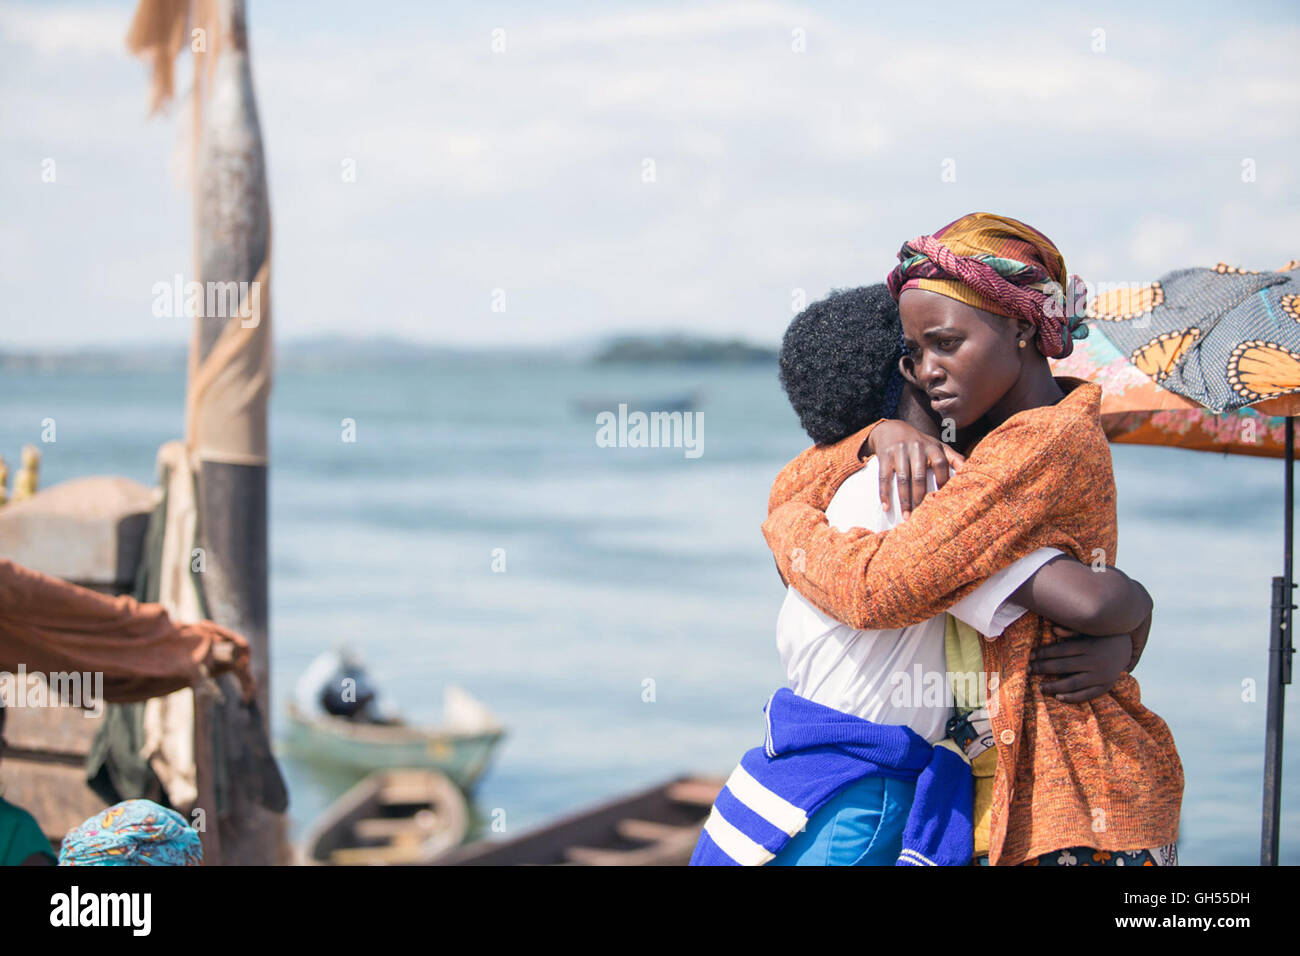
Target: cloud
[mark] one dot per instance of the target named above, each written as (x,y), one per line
(773,168)
(57,30)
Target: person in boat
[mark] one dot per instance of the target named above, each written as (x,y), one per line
(984,302)
(349,693)
(21,841)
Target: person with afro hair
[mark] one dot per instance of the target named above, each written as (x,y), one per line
(839,362)
(842,368)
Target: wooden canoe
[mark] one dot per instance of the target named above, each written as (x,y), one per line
(460,749)
(654,827)
(391,818)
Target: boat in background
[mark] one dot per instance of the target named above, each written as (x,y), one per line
(461,746)
(391,818)
(655,827)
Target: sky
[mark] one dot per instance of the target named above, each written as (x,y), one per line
(794,148)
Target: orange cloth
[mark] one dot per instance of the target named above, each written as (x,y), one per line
(48,625)
(1104,773)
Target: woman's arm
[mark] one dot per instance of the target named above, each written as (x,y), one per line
(905,451)
(1079,667)
(814,476)
(992,512)
(1085,599)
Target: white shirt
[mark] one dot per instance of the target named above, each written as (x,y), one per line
(859,672)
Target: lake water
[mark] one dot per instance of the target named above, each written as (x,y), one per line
(631,564)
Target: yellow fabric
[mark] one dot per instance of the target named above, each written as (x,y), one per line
(961,644)
(983,768)
(986,234)
(962,652)
(960,291)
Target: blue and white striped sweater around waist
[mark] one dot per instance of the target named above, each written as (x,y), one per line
(811,752)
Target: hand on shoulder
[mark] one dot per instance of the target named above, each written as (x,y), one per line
(907,452)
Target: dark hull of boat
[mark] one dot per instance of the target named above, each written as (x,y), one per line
(654,827)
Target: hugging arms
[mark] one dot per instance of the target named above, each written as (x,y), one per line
(1101,616)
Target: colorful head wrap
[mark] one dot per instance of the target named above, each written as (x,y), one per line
(132,833)
(999,265)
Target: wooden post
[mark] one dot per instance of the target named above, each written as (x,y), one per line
(231,210)
(1280,651)
(227,394)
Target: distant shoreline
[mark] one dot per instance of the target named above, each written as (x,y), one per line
(682,349)
(341,352)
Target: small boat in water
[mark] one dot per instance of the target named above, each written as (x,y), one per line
(655,827)
(377,739)
(391,818)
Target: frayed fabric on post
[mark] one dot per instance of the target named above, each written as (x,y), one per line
(813,751)
(999,265)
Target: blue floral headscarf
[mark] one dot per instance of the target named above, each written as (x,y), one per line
(133,833)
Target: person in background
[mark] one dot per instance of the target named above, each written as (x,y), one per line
(21,841)
(349,692)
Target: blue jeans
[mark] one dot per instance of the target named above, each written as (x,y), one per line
(862,825)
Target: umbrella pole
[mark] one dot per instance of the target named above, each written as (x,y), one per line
(1279,668)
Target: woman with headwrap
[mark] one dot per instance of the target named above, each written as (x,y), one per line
(984,302)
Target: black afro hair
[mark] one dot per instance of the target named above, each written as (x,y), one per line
(838,362)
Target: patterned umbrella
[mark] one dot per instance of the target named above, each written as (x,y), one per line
(1206,359)
(1209,360)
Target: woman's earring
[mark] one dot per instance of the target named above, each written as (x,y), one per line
(1023,343)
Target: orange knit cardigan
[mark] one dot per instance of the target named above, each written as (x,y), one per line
(1104,773)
